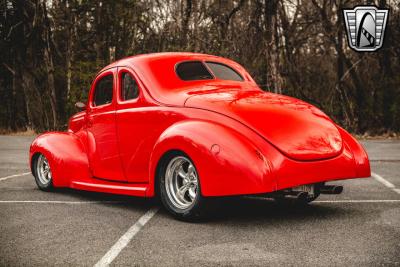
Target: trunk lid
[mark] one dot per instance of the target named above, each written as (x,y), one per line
(299,130)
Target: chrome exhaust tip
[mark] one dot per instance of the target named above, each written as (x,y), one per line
(331,189)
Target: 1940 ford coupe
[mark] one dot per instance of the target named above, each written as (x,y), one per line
(186,127)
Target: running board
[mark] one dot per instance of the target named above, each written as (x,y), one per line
(111,187)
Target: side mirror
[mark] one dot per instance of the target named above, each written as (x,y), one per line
(80,105)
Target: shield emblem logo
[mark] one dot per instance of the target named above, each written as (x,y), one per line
(365,26)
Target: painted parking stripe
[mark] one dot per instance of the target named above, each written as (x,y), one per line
(124,240)
(359,201)
(385,182)
(58,202)
(13,176)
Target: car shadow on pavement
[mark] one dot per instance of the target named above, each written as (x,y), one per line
(130,202)
(239,209)
(243,209)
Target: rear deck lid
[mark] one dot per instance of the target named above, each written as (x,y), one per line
(299,130)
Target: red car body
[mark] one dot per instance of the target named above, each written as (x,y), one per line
(241,139)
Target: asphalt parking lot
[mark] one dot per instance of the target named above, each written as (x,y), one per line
(360,227)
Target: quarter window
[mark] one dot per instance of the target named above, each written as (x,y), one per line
(103,92)
(129,87)
(223,72)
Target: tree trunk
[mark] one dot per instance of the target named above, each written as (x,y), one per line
(48,59)
(340,70)
(71,33)
(274,78)
(98,45)
(385,63)
(187,11)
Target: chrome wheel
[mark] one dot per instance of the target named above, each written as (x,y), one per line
(181,182)
(43,170)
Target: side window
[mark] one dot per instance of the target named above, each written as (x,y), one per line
(223,72)
(103,92)
(129,87)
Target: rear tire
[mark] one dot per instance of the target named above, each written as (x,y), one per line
(42,173)
(179,187)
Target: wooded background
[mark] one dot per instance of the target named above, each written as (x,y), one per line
(51,50)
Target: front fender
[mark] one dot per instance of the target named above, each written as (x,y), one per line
(66,155)
(226,161)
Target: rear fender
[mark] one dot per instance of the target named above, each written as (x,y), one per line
(360,155)
(226,161)
(66,155)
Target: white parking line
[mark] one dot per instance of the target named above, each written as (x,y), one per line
(15,175)
(124,240)
(57,202)
(385,182)
(359,201)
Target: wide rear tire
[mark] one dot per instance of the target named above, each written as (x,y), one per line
(179,187)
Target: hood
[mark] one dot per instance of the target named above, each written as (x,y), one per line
(299,130)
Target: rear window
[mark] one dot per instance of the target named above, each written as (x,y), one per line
(224,72)
(193,70)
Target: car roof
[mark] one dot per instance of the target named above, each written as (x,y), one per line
(157,72)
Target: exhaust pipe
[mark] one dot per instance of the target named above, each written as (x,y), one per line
(296,195)
(331,189)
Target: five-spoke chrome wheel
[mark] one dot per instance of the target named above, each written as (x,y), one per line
(43,171)
(181,182)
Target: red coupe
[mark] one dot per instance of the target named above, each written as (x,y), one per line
(186,127)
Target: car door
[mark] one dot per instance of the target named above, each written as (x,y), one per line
(102,142)
(135,126)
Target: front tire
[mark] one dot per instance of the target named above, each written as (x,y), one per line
(179,187)
(42,173)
